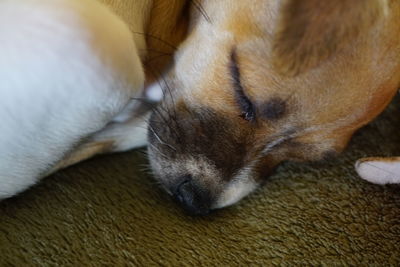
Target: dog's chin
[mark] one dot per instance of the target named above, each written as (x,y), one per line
(198,200)
(200,197)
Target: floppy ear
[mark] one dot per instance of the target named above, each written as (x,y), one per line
(310,31)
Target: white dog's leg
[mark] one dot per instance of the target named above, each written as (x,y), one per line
(115,137)
(67,67)
(379,170)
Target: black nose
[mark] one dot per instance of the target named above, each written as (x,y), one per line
(194,199)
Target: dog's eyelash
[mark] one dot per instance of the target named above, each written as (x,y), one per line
(248,111)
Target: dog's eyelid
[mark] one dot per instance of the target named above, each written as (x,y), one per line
(248,111)
(234,71)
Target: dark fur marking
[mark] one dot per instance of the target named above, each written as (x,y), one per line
(203,133)
(273,109)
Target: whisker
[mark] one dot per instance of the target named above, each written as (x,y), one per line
(156,38)
(165,87)
(201,9)
(159,113)
(158,150)
(159,139)
(174,126)
(170,93)
(152,50)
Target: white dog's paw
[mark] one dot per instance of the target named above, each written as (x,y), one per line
(379,170)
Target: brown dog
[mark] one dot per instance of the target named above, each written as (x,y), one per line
(261,82)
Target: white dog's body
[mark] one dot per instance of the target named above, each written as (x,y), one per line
(67,68)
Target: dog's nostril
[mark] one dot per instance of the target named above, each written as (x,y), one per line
(193,199)
(182,192)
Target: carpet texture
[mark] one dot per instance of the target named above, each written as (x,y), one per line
(108,211)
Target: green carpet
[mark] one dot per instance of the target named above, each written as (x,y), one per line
(107,211)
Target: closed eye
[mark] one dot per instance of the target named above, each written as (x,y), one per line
(247,108)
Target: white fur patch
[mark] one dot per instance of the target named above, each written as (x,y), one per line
(379,171)
(154,92)
(240,187)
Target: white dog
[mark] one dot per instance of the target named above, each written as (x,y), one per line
(68,68)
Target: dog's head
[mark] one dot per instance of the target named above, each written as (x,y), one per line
(261,82)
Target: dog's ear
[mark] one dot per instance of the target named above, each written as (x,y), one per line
(310,31)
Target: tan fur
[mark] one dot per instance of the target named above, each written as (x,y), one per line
(83,152)
(348,87)
(166,29)
(310,31)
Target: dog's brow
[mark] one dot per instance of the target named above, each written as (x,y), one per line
(201,9)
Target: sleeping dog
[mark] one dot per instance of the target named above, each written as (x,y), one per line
(261,82)
(253,84)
